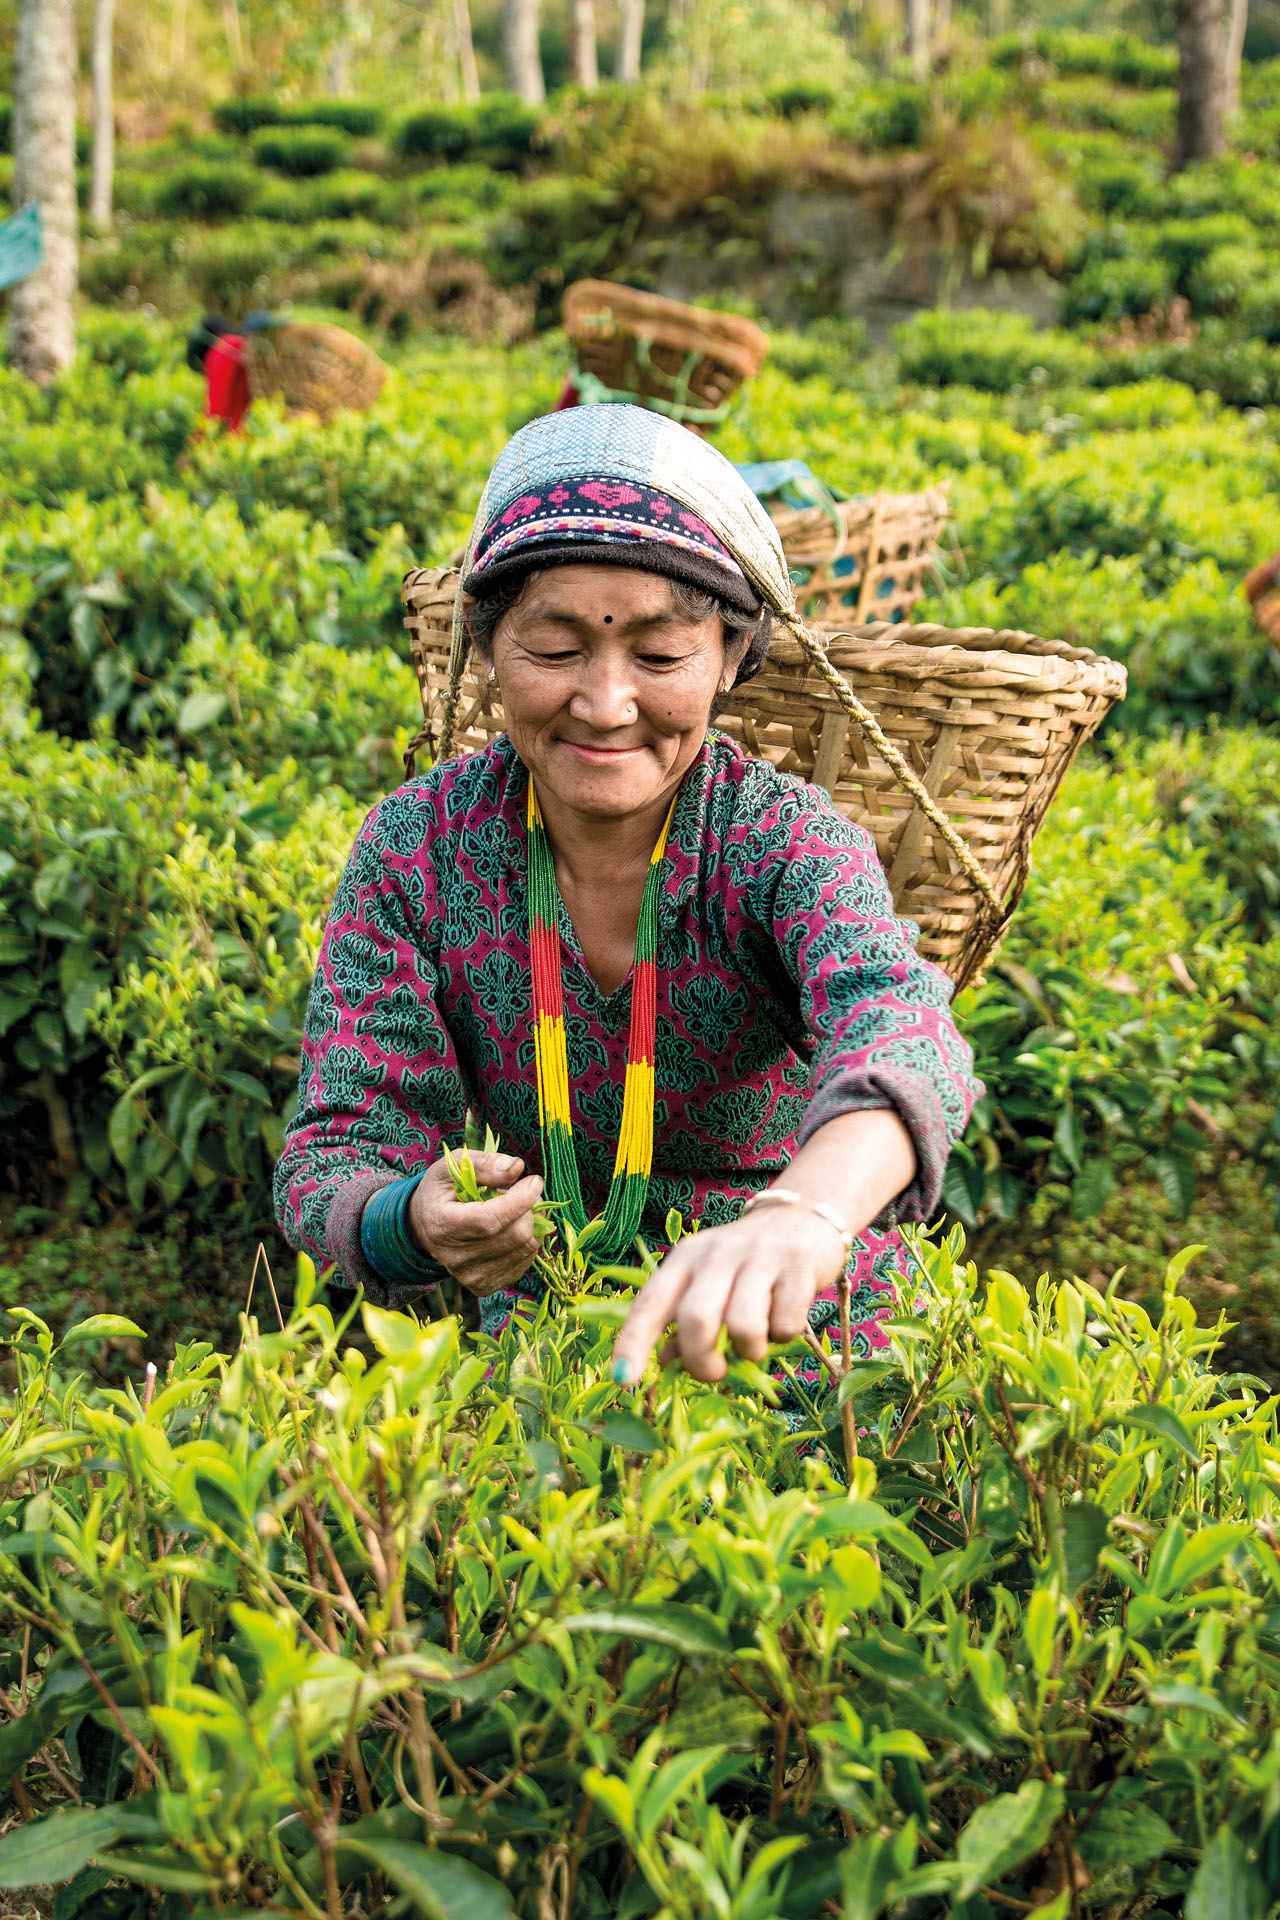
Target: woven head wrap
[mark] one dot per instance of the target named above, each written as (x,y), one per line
(623,485)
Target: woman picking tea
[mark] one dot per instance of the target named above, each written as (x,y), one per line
(666,974)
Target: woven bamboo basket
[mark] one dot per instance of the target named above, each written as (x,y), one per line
(872,565)
(315,367)
(683,361)
(989,722)
(1263,589)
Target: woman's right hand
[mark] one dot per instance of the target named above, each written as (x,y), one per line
(486,1244)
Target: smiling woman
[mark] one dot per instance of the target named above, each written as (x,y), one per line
(668,975)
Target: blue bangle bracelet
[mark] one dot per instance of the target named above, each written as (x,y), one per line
(384,1236)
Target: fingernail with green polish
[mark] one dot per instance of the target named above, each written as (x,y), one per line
(622,1372)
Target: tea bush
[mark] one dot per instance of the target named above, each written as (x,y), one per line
(465,1630)
(498,130)
(300,150)
(206,189)
(246,114)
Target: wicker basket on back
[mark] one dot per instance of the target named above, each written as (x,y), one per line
(1263,589)
(989,722)
(684,361)
(872,565)
(315,367)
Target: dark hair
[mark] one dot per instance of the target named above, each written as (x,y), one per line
(211,329)
(487,610)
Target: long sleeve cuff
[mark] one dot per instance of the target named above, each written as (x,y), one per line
(914,1097)
(343,1244)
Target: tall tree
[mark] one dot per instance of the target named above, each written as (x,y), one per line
(520,51)
(586,70)
(337,77)
(919,50)
(42,308)
(1237,23)
(630,40)
(1201,53)
(104,124)
(468,72)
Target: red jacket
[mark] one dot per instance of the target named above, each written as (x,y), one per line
(226,382)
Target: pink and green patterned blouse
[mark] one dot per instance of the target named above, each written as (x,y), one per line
(788,993)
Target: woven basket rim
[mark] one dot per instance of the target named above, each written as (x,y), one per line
(670,322)
(794,522)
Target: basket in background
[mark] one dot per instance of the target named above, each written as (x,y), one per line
(863,559)
(686,362)
(988,721)
(315,367)
(1263,589)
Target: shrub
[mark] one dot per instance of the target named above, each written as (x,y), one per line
(300,151)
(499,130)
(6,120)
(462,192)
(1122,183)
(1087,103)
(989,350)
(108,593)
(1101,1053)
(346,1599)
(206,190)
(794,97)
(1186,243)
(347,194)
(184,911)
(1121,57)
(245,114)
(1114,289)
(1221,280)
(888,116)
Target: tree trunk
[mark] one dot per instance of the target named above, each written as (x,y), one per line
(42,308)
(586,71)
(467,70)
(942,31)
(1237,21)
(630,39)
(1201,46)
(231,26)
(104,127)
(520,51)
(918,50)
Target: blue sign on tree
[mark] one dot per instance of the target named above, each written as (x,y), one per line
(21,245)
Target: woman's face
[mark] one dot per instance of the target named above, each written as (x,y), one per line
(607,687)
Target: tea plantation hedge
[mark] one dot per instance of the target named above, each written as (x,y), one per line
(464,1627)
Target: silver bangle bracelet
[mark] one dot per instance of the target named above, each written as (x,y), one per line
(788,1197)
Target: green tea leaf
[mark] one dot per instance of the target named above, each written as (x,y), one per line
(683,1628)
(439,1884)
(1005,1832)
(1163,1424)
(1225,1886)
(46,1852)
(1084,1535)
(630,1432)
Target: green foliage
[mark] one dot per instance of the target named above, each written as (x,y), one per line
(991,351)
(300,151)
(1116,1022)
(884,117)
(108,593)
(290,1618)
(1121,57)
(206,189)
(499,131)
(245,114)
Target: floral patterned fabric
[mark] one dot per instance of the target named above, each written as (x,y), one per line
(788,994)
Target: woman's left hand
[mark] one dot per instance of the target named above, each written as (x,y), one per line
(756,1278)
